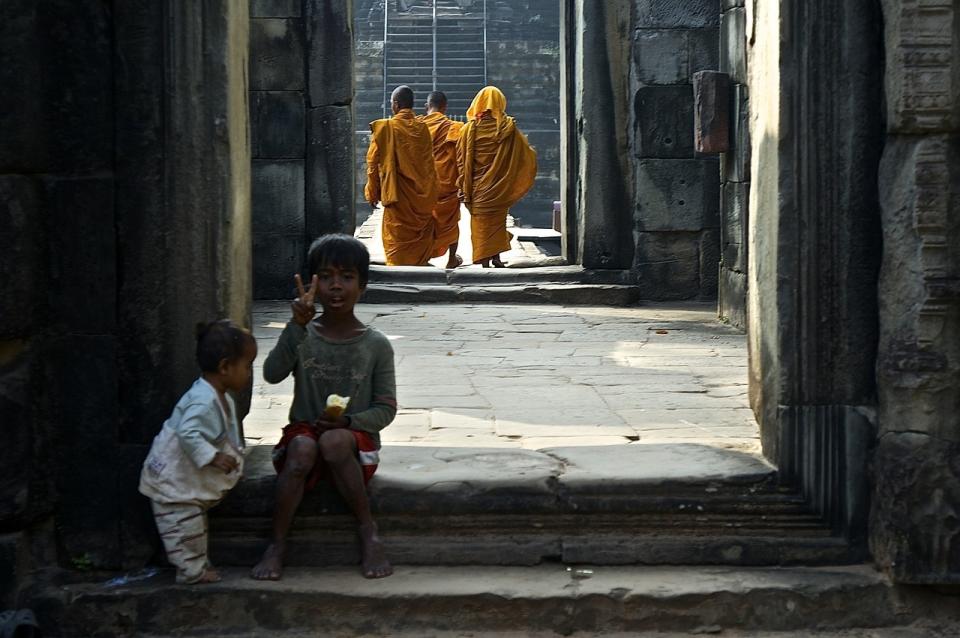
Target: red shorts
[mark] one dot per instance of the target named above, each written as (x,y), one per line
(367,453)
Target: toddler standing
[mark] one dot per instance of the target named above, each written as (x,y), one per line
(197,456)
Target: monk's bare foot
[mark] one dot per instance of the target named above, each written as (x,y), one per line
(210,575)
(373,558)
(454,261)
(498,264)
(270,566)
(485,263)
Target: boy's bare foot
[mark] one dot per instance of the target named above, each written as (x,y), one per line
(373,558)
(270,566)
(210,575)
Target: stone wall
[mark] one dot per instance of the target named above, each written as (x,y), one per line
(915,531)
(734,168)
(301,121)
(125,182)
(676,210)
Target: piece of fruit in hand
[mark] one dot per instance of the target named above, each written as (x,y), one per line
(336,405)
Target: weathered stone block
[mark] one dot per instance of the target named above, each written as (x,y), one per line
(138,531)
(329,35)
(278,197)
(276,54)
(734,202)
(732,298)
(23,262)
(87,479)
(709,263)
(922,77)
(915,537)
(276,259)
(275,8)
(22,433)
(668,265)
(81,282)
(56,73)
(664,119)
(330,174)
(658,56)
(711,102)
(678,195)
(704,49)
(671,14)
(277,124)
(733,45)
(730,4)
(735,163)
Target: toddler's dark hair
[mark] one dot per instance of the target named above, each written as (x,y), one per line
(218,340)
(342,251)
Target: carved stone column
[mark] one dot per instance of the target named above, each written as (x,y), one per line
(814,248)
(915,524)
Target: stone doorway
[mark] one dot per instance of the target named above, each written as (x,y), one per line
(304,84)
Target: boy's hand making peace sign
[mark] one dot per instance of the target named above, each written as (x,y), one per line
(303,306)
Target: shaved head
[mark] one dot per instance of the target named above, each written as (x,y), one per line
(402,97)
(437,101)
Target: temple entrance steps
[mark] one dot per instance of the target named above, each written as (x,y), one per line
(547,284)
(447,54)
(654,504)
(509,602)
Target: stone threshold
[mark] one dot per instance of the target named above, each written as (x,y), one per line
(565,285)
(552,598)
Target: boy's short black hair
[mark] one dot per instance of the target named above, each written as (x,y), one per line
(219,340)
(342,251)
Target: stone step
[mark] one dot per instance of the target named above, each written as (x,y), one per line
(652,504)
(466,276)
(477,601)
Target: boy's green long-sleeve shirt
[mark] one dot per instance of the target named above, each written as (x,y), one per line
(361,368)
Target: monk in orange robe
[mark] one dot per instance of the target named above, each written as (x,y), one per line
(497,167)
(402,177)
(446,212)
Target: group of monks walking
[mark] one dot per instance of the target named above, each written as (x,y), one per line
(421,168)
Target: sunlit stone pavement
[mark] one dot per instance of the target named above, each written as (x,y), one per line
(538,376)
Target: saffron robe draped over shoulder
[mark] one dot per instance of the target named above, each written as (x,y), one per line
(401,176)
(446,212)
(497,167)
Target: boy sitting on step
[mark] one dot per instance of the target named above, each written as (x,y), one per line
(334,354)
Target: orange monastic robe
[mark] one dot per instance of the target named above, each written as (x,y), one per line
(446,212)
(497,167)
(401,176)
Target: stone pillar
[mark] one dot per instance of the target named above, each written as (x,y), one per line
(915,534)
(603,175)
(126,185)
(330,184)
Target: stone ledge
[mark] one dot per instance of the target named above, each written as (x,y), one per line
(550,598)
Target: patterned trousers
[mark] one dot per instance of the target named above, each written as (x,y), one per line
(183,529)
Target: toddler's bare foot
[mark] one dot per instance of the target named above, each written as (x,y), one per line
(210,575)
(270,566)
(373,558)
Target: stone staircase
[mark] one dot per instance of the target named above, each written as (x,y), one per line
(677,504)
(460,70)
(408,54)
